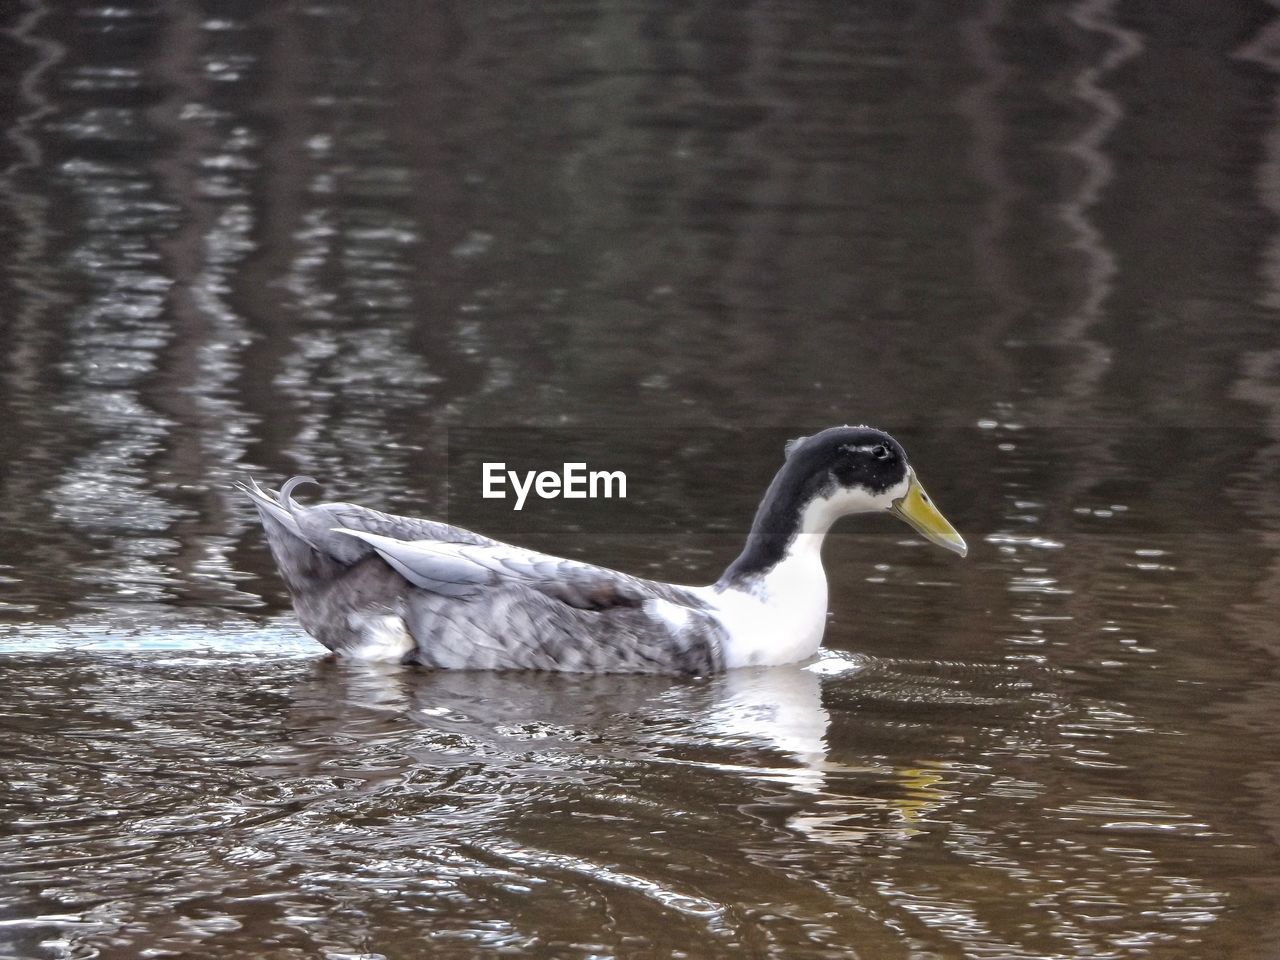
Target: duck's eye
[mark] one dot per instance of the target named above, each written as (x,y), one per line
(880,451)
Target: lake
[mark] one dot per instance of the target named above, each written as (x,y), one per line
(381,243)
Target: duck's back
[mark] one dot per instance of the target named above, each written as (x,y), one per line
(368,584)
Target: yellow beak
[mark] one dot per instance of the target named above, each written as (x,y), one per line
(918,510)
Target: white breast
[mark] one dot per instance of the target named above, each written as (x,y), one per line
(781,618)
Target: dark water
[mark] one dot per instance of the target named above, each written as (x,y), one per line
(1040,241)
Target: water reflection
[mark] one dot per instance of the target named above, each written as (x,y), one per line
(298,788)
(1037,241)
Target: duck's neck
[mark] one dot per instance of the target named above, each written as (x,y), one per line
(787,526)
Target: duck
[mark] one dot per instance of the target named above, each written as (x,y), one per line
(374,586)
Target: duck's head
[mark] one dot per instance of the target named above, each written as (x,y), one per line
(845,470)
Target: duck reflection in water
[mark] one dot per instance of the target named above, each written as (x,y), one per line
(397,729)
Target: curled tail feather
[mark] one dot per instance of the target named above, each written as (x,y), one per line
(286,493)
(277,507)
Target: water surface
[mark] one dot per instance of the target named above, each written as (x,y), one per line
(1036,241)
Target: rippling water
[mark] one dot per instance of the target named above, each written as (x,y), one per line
(1038,241)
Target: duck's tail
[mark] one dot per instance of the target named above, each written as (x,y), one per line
(301,560)
(277,507)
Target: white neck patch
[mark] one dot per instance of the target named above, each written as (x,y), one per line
(781,616)
(820,513)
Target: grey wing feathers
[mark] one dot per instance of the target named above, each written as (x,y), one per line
(428,564)
(519,627)
(465,570)
(317,525)
(469,601)
(450,560)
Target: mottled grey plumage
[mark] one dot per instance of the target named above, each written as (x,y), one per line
(467,601)
(375,586)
